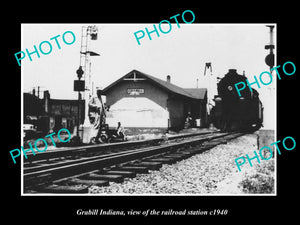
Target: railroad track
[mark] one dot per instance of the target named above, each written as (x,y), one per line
(57,155)
(77,174)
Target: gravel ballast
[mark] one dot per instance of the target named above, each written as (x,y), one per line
(212,172)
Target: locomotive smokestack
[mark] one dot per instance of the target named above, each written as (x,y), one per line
(231,72)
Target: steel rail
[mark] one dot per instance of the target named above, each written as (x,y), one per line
(73,151)
(100,162)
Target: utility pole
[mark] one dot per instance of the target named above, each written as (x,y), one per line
(270,57)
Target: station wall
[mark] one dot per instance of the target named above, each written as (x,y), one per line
(145,108)
(138,100)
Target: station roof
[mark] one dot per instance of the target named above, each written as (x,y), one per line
(198,93)
(195,93)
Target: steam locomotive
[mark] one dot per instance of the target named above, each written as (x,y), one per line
(233,112)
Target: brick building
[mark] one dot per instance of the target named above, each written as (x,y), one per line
(51,114)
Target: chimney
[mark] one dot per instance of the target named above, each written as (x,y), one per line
(46,94)
(169,79)
(33,92)
(47,102)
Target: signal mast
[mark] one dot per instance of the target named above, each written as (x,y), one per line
(88,34)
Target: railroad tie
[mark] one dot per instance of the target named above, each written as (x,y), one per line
(162,160)
(177,156)
(136,169)
(108,177)
(124,173)
(149,165)
(64,189)
(89,182)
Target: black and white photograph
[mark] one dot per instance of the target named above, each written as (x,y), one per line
(143,109)
(150,114)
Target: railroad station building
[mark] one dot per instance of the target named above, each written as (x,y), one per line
(141,101)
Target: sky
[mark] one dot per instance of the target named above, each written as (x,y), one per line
(181,53)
